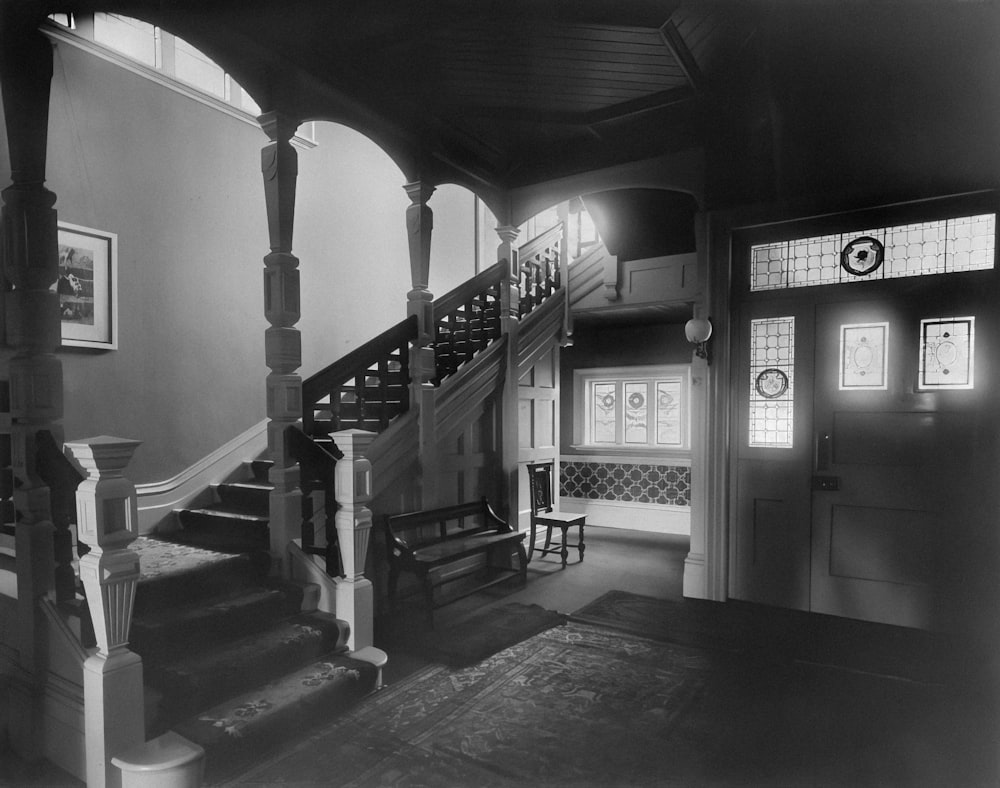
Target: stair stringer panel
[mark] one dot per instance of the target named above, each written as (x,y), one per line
(395,459)
(540,331)
(459,400)
(467,424)
(394,456)
(587,274)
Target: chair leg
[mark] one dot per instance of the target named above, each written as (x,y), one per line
(565,550)
(581,545)
(531,542)
(548,537)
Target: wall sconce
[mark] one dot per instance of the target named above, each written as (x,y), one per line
(698,331)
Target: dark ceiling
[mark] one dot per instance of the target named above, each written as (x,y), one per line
(779,99)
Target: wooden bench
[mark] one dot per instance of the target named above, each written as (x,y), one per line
(451,543)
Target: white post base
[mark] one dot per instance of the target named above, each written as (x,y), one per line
(113,712)
(695,577)
(168,761)
(356,606)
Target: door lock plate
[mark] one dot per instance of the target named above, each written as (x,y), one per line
(826,483)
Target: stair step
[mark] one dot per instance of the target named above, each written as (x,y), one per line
(174,573)
(161,635)
(223,528)
(246,496)
(278,712)
(260,469)
(207,677)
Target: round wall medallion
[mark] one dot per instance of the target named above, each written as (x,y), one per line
(771,383)
(862,256)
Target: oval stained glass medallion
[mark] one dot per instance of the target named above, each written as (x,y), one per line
(862,256)
(771,383)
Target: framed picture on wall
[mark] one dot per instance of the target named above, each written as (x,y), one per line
(88,287)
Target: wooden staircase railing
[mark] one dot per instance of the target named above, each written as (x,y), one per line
(62,478)
(317,460)
(540,270)
(466,321)
(364,390)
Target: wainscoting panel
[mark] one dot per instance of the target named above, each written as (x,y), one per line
(644,496)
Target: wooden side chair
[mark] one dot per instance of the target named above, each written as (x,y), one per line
(542,515)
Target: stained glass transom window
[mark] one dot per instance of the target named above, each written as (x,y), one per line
(943,246)
(772,377)
(947,353)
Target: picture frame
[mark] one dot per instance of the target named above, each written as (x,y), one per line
(88,287)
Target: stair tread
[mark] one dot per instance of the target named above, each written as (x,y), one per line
(313,626)
(196,681)
(213,605)
(330,684)
(163,557)
(227,512)
(248,485)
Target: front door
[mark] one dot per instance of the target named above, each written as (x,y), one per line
(867,448)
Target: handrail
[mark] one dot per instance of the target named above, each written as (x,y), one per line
(467,320)
(539,269)
(317,464)
(390,347)
(535,245)
(460,295)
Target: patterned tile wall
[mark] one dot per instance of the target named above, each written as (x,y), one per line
(614,481)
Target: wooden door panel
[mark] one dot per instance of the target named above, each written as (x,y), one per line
(772,547)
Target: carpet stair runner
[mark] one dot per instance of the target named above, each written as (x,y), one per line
(231,660)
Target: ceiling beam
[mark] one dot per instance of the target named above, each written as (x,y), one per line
(674,41)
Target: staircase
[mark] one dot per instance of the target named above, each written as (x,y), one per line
(233,659)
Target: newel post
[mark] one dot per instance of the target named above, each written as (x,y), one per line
(112,675)
(510,289)
(420,302)
(282,341)
(353,521)
(29,255)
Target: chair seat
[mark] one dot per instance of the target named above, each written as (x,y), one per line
(560,519)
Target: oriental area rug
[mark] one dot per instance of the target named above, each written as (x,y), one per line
(591,706)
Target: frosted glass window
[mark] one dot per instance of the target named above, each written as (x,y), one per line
(943,246)
(196,68)
(633,407)
(603,409)
(668,413)
(947,353)
(636,408)
(132,37)
(772,377)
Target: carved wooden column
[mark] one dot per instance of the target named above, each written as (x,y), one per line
(566,250)
(108,522)
(510,293)
(32,328)
(510,299)
(353,520)
(699,557)
(419,225)
(282,341)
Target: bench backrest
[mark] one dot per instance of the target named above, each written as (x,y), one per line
(414,529)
